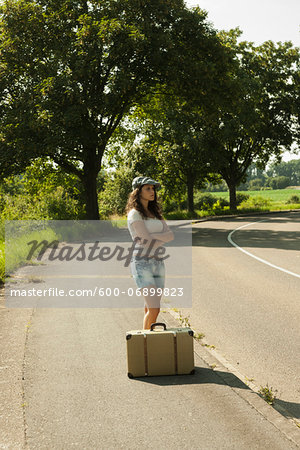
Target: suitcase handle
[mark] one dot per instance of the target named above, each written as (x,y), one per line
(153,325)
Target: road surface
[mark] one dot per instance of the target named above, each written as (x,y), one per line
(250,308)
(63,374)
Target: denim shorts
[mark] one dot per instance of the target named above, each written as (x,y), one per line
(148,272)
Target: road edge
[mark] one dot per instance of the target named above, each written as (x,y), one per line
(241,215)
(213,359)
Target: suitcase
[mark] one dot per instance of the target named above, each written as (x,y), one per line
(160,352)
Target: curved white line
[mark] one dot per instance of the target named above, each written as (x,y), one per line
(256,257)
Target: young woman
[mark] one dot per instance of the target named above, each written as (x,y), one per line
(147,226)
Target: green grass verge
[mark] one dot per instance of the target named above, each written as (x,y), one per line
(2,262)
(17,250)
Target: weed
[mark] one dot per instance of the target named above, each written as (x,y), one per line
(209,346)
(248,380)
(184,321)
(267,394)
(199,336)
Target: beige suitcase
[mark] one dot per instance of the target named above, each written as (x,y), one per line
(160,351)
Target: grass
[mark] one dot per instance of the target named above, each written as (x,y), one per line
(268,200)
(267,394)
(276,196)
(2,262)
(17,250)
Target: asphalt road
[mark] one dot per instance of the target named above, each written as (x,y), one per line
(76,394)
(248,309)
(63,372)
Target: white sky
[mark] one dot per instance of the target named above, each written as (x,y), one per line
(260,20)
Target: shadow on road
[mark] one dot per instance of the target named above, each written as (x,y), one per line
(209,376)
(202,376)
(288,409)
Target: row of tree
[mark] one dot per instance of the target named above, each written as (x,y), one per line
(150,85)
(275,176)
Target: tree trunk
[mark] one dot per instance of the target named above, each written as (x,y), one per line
(90,172)
(232,197)
(190,192)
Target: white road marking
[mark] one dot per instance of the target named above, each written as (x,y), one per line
(256,257)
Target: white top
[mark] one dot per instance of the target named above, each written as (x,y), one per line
(152,225)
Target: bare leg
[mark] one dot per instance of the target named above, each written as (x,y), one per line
(152,309)
(150,317)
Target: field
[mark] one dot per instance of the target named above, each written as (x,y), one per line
(276,196)
(268,200)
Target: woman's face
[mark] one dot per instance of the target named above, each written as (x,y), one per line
(148,192)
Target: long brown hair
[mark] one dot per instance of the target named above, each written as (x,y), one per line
(135,202)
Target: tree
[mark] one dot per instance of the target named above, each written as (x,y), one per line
(260,121)
(280,182)
(71,71)
(290,169)
(171,125)
(175,140)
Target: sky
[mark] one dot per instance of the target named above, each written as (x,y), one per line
(260,20)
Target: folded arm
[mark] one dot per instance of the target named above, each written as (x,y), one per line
(146,238)
(166,235)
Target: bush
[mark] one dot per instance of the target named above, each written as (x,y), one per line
(41,192)
(293,199)
(57,205)
(113,199)
(240,197)
(279,182)
(180,215)
(256,202)
(204,201)
(256,184)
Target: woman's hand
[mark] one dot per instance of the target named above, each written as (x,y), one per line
(165,237)
(144,238)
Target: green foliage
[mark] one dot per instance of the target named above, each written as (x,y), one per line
(256,184)
(180,215)
(259,120)
(17,252)
(72,70)
(256,202)
(57,205)
(267,394)
(43,191)
(113,199)
(290,169)
(208,201)
(2,262)
(241,197)
(280,182)
(43,176)
(220,187)
(170,204)
(293,199)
